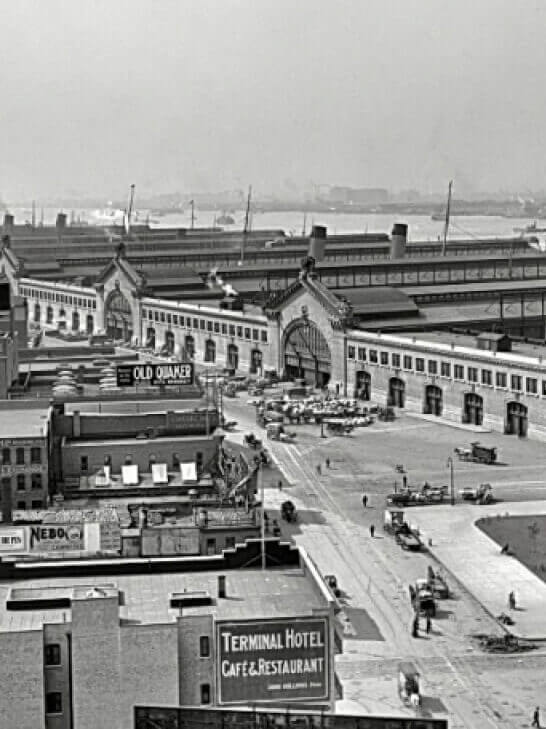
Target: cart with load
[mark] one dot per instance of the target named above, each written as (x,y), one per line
(477,453)
(482,494)
(393,520)
(409,684)
(252,442)
(288,511)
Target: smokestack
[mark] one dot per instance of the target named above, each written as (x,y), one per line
(399,239)
(60,224)
(317,242)
(221,585)
(9,224)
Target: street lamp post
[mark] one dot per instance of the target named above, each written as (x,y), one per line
(451,465)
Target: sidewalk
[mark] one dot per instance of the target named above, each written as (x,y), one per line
(450,423)
(475,560)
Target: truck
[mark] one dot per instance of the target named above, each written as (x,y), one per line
(482,494)
(407,538)
(477,453)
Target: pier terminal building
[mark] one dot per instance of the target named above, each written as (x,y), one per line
(368,316)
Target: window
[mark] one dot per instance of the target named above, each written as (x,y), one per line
(255,336)
(175,320)
(36,455)
(188,321)
(239,331)
(432,367)
(205,693)
(209,326)
(472,374)
(20,456)
(384,357)
(224,328)
(408,363)
(35,481)
(231,330)
(395,359)
(162,316)
(264,336)
(217,327)
(544,388)
(230,542)
(515,382)
(156,316)
(202,324)
(204,646)
(419,364)
(54,704)
(211,546)
(6,456)
(501,379)
(6,484)
(196,323)
(362,354)
(21,505)
(531,385)
(247,332)
(373,355)
(84,464)
(458,371)
(487,377)
(20,482)
(445,369)
(350,352)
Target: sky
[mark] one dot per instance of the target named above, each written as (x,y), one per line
(207,95)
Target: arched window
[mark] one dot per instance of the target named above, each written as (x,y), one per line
(189,346)
(37,312)
(90,324)
(232,356)
(256,362)
(150,338)
(210,351)
(75,321)
(169,342)
(49,314)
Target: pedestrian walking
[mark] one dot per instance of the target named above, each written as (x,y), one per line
(512,600)
(415,627)
(536,717)
(327,463)
(404,482)
(364,501)
(372,531)
(429,624)
(280,485)
(319,469)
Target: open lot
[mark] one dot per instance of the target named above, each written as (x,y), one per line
(474,690)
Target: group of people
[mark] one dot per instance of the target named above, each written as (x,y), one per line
(319,466)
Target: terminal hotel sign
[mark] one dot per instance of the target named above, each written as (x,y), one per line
(273,660)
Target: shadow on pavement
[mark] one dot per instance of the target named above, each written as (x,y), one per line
(363,627)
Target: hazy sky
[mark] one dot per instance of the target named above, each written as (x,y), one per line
(216,94)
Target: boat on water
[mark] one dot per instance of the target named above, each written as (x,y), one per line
(225,219)
(113,217)
(531,228)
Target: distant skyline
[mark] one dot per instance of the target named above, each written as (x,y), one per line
(203,95)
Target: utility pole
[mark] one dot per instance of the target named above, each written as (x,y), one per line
(450,465)
(130,211)
(247,224)
(448,210)
(34,213)
(192,203)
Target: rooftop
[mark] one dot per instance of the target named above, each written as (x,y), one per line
(23,423)
(377,300)
(250,593)
(519,349)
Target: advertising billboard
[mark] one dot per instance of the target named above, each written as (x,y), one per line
(169,374)
(56,537)
(12,539)
(273,660)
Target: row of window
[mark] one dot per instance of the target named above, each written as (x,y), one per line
(206,325)
(36,482)
(152,460)
(20,456)
(473,374)
(58,298)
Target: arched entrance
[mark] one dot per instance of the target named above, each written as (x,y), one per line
(433,400)
(118,317)
(307,354)
(363,385)
(516,419)
(189,346)
(150,338)
(397,392)
(232,357)
(256,362)
(473,408)
(169,343)
(210,351)
(90,325)
(37,312)
(75,321)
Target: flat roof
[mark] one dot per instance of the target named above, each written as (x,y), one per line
(251,593)
(23,423)
(469,340)
(102,442)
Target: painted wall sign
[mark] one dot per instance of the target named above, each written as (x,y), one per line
(273,660)
(172,373)
(56,537)
(12,540)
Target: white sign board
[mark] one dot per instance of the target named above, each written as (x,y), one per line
(159,473)
(188,472)
(12,539)
(129,475)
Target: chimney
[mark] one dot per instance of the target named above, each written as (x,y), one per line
(60,224)
(317,242)
(221,585)
(9,224)
(399,238)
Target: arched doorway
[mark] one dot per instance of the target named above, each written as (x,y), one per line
(473,408)
(75,321)
(256,362)
(307,354)
(150,338)
(397,392)
(118,317)
(433,400)
(363,385)
(37,312)
(232,357)
(90,324)
(169,343)
(516,419)
(210,351)
(189,346)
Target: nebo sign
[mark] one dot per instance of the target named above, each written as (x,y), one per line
(173,373)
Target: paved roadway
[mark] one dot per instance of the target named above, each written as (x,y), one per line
(475,690)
